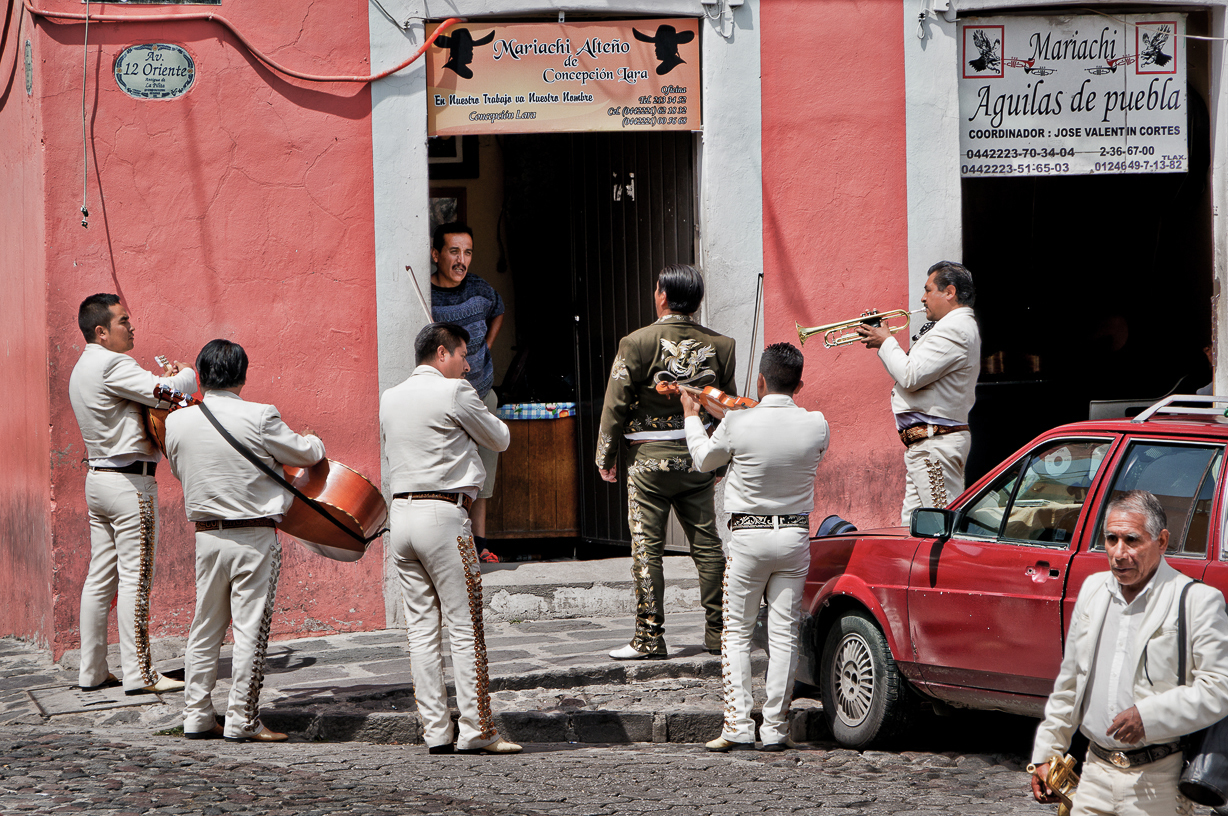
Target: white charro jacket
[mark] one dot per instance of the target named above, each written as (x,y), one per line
(1168,710)
(107,390)
(432,426)
(937,376)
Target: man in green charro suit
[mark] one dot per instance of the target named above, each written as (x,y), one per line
(660,474)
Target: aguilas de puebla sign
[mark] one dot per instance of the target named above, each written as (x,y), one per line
(541,78)
(1057,96)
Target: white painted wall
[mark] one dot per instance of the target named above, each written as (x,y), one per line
(730,191)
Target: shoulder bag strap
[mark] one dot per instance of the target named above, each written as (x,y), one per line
(247,454)
(1181,633)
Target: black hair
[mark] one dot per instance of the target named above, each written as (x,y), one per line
(683,287)
(957,275)
(434,335)
(781,367)
(221,364)
(444,230)
(95,311)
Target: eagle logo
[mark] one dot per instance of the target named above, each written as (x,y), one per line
(683,362)
(1153,49)
(989,60)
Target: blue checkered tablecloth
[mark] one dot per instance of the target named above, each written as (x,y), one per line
(536,410)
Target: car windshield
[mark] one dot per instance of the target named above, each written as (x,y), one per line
(1183,478)
(1040,497)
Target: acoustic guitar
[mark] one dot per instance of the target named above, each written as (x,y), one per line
(355,508)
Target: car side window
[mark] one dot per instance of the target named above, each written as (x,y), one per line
(1040,498)
(1183,478)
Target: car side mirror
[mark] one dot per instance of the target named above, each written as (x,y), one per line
(932,522)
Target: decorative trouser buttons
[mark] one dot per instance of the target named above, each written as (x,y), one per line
(938,483)
(730,726)
(649,619)
(251,707)
(144,582)
(473,583)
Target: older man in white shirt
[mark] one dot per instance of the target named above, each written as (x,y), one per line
(108,390)
(1119,684)
(235,507)
(432,425)
(772,450)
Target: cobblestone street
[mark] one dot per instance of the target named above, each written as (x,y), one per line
(49,772)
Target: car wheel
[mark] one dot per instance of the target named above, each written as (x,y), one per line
(864,698)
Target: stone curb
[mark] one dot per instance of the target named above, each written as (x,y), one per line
(385,728)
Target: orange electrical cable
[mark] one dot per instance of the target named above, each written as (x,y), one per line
(229,26)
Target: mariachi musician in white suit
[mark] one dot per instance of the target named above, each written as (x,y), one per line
(935,387)
(107,390)
(238,558)
(432,425)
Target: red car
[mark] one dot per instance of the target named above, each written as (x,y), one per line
(970,607)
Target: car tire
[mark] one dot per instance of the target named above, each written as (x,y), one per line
(865,700)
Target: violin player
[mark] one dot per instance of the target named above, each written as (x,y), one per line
(660,474)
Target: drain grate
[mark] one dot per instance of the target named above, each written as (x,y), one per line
(54,700)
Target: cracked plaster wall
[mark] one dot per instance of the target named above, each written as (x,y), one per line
(241,210)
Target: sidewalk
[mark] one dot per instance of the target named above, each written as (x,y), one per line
(551,681)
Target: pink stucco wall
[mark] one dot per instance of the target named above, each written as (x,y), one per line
(835,225)
(241,210)
(25,488)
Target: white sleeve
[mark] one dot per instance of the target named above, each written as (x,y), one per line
(125,378)
(944,349)
(708,452)
(484,427)
(284,445)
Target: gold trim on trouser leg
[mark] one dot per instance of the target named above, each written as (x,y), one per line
(644,639)
(730,726)
(473,582)
(143,584)
(938,482)
(251,703)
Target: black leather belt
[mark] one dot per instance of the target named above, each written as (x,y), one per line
(453,498)
(749,521)
(234,524)
(138,468)
(1138,756)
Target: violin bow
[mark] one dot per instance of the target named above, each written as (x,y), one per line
(418,291)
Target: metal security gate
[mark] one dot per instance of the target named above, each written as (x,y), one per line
(633,212)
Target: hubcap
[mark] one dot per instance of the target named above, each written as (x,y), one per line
(854,666)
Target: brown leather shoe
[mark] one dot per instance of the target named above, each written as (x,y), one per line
(216,732)
(263,735)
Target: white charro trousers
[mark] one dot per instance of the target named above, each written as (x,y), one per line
(771,565)
(935,471)
(1148,790)
(123,512)
(432,547)
(236,585)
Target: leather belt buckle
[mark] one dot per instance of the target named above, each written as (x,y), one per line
(1119,759)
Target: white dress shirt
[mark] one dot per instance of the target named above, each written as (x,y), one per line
(773,449)
(1110,685)
(218,482)
(107,390)
(937,376)
(431,427)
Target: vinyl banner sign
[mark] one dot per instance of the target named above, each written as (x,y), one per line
(556,77)
(1059,96)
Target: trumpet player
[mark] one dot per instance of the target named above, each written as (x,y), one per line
(1119,681)
(935,387)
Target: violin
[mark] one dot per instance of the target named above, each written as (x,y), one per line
(714,400)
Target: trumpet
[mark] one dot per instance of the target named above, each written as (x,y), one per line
(1062,780)
(845,332)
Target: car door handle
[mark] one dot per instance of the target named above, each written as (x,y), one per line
(1037,572)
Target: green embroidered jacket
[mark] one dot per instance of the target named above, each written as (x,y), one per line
(675,348)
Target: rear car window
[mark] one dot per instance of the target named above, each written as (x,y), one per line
(1183,477)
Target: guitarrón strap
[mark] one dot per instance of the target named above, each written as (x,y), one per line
(281,480)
